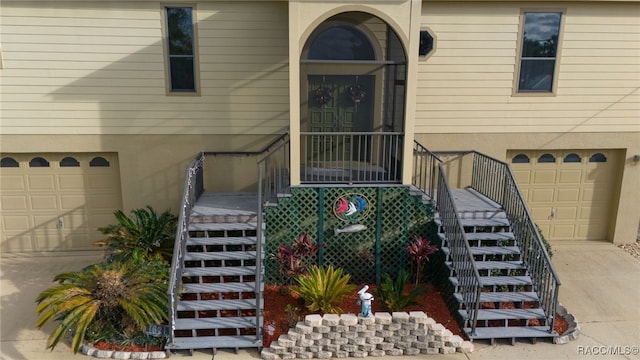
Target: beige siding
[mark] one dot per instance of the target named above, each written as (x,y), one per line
(466,86)
(98,68)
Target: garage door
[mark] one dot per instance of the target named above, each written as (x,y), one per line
(570,193)
(56,201)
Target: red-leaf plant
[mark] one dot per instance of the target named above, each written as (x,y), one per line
(419,251)
(295,259)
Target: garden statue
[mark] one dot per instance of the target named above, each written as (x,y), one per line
(365,300)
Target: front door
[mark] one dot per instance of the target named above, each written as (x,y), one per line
(344,104)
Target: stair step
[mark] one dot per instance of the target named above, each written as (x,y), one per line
(217,323)
(234,304)
(507,314)
(499,280)
(495,265)
(510,332)
(220,255)
(221,226)
(219,271)
(221,287)
(491,236)
(215,342)
(484,222)
(221,241)
(489,250)
(504,296)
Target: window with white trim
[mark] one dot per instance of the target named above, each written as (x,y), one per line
(538,52)
(180,49)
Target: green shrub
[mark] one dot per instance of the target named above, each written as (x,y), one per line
(391,293)
(112,300)
(323,288)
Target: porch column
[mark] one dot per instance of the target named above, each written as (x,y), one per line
(412,85)
(294,90)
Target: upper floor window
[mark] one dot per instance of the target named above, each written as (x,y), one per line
(180,46)
(538,52)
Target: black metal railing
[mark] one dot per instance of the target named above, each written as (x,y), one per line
(494,179)
(469,282)
(193,188)
(351,157)
(425,169)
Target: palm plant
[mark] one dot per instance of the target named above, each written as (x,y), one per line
(111,300)
(391,293)
(145,229)
(419,251)
(323,288)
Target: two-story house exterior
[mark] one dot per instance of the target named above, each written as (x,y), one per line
(103,103)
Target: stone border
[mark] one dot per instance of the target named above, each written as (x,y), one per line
(89,350)
(348,335)
(572,331)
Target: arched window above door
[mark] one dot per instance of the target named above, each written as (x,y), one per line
(341,42)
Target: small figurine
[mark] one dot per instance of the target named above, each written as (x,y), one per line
(365,301)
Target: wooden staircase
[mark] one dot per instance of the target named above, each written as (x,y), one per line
(509,306)
(220,304)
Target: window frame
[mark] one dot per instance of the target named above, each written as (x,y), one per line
(167,56)
(518,64)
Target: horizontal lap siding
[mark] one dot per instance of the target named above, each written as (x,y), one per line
(466,85)
(96,68)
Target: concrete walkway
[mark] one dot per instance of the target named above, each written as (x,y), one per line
(600,287)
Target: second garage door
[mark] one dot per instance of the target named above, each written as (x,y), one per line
(570,193)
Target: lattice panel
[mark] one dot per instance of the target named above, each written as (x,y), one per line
(392,217)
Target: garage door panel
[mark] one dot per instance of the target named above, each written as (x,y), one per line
(14,202)
(540,212)
(568,195)
(567,177)
(566,213)
(45,221)
(542,195)
(563,231)
(544,177)
(17,241)
(16,222)
(74,221)
(594,212)
(596,194)
(523,177)
(44,202)
(100,181)
(72,182)
(72,202)
(42,182)
(12,182)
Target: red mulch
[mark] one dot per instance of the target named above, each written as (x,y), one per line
(431,302)
(103,345)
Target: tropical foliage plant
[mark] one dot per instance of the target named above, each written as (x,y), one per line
(114,300)
(419,250)
(295,259)
(323,288)
(392,295)
(146,229)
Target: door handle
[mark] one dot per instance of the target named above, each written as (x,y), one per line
(552,215)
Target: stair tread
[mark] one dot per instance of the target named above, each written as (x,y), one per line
(249,240)
(511,265)
(489,250)
(239,322)
(231,304)
(499,280)
(510,332)
(485,222)
(219,271)
(504,296)
(220,255)
(221,287)
(215,342)
(221,226)
(501,314)
(497,236)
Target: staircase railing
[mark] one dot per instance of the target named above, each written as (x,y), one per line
(494,179)
(469,283)
(425,169)
(193,188)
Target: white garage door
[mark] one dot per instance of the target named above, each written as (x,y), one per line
(57,201)
(570,193)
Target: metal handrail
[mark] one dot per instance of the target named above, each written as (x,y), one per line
(494,179)
(469,282)
(425,169)
(193,188)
